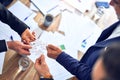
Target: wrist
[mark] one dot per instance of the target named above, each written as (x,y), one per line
(48,75)
(10,44)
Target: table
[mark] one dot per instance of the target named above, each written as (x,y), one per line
(11,59)
(10,69)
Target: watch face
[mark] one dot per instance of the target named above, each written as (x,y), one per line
(5,2)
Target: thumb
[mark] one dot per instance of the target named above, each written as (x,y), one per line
(42,58)
(33,33)
(25,46)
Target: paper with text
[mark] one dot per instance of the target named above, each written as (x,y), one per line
(24,14)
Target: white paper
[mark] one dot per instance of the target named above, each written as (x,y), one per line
(2,56)
(24,14)
(46,6)
(20,10)
(78,30)
(81,5)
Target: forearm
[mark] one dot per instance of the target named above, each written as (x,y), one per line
(8,18)
(3,46)
(80,70)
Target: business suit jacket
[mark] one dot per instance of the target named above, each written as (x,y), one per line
(82,69)
(8,18)
(5,2)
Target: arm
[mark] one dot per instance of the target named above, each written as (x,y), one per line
(3,46)
(42,68)
(15,45)
(17,25)
(80,70)
(8,18)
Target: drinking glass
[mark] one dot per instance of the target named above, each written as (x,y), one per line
(23,63)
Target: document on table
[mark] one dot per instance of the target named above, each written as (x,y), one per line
(24,14)
(81,5)
(46,6)
(81,33)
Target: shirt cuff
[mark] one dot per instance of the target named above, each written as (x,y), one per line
(3,46)
(6,45)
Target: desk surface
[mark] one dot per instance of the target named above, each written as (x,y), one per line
(11,59)
(10,69)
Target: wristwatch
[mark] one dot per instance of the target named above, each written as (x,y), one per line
(46,79)
(50,78)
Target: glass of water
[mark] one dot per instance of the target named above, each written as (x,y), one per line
(23,63)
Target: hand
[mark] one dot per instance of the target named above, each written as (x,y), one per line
(42,67)
(19,47)
(27,36)
(53,51)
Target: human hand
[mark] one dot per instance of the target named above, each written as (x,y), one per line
(42,67)
(27,36)
(53,51)
(19,47)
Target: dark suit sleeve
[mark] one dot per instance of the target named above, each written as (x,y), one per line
(8,18)
(80,70)
(3,46)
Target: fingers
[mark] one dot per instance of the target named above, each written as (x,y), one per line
(32,36)
(38,60)
(25,46)
(50,46)
(33,33)
(27,36)
(53,51)
(24,51)
(41,59)
(26,41)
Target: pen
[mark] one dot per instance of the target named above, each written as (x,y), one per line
(52,8)
(27,17)
(84,42)
(40,34)
(11,37)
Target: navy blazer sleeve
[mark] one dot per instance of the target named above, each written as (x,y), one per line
(80,70)
(3,46)
(8,18)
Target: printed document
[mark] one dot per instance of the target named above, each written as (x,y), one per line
(46,6)
(24,14)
